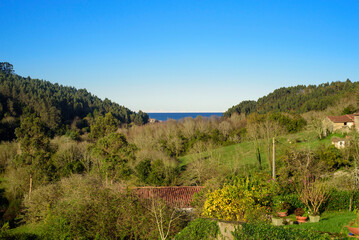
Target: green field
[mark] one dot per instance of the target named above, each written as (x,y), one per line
(245,153)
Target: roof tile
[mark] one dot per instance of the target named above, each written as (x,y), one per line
(342,119)
(180,196)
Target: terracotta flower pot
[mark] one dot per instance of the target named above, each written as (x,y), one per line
(301,219)
(282,214)
(353,230)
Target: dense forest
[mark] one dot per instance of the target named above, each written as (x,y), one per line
(298,99)
(58,107)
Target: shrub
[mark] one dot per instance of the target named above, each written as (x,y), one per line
(340,200)
(293,200)
(247,199)
(313,193)
(199,229)
(81,207)
(299,212)
(337,201)
(332,157)
(265,231)
(155,173)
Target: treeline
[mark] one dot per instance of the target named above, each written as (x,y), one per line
(298,99)
(56,105)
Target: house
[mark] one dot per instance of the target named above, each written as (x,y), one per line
(152,120)
(344,122)
(339,142)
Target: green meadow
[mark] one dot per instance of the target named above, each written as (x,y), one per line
(245,153)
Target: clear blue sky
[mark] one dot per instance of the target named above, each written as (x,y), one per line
(178,55)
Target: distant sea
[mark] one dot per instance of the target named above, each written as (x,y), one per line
(180,115)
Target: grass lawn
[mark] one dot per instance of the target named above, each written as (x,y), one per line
(331,222)
(245,153)
(21,231)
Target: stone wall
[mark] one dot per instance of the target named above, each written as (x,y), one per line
(356,121)
(226,229)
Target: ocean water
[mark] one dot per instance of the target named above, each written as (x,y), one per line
(177,116)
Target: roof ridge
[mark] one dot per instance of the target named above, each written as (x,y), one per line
(169,187)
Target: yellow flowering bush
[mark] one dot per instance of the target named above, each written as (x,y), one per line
(245,199)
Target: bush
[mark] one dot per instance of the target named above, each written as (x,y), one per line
(340,200)
(293,200)
(81,207)
(247,199)
(265,231)
(337,201)
(156,173)
(199,229)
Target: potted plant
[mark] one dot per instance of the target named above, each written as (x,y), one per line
(282,208)
(354,225)
(313,193)
(300,215)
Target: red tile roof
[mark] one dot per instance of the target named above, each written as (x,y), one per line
(181,196)
(336,139)
(342,119)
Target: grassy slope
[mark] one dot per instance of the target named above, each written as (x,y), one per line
(333,222)
(244,153)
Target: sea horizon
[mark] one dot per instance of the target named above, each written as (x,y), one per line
(164,116)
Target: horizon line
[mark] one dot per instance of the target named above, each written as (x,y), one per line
(184,111)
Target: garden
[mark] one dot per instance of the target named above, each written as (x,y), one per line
(314,195)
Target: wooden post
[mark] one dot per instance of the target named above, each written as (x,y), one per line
(106,180)
(273,165)
(30,185)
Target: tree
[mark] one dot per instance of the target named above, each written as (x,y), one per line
(313,193)
(350,109)
(6,68)
(81,207)
(299,164)
(103,126)
(112,153)
(260,127)
(143,170)
(164,215)
(35,157)
(31,134)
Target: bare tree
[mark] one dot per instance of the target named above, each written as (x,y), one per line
(313,193)
(164,215)
(265,130)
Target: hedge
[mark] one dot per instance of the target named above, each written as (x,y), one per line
(199,229)
(337,201)
(340,200)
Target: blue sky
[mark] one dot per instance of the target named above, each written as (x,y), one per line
(178,55)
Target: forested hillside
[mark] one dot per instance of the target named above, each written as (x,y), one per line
(298,99)
(57,106)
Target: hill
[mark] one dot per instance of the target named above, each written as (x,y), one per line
(298,99)
(244,154)
(56,105)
